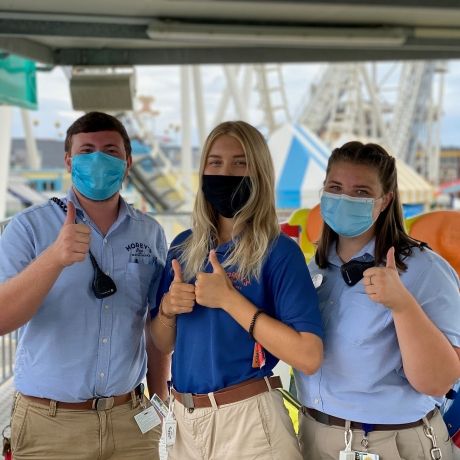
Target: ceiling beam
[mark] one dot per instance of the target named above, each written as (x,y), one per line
(28,49)
(159,56)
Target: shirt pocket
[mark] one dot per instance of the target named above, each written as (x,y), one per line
(138,278)
(360,321)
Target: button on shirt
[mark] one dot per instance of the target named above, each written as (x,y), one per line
(76,346)
(362,377)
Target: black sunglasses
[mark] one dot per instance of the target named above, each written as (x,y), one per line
(103,286)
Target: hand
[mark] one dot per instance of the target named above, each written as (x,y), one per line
(214,289)
(181,296)
(72,243)
(383,284)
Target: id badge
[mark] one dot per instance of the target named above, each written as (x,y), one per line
(365,456)
(159,404)
(170,427)
(147,419)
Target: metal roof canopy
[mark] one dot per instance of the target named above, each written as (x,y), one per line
(116,32)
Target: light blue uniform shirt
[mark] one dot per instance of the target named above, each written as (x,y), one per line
(362,378)
(77,347)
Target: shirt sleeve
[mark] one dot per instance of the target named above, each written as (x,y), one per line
(295,299)
(437,290)
(162,249)
(17,249)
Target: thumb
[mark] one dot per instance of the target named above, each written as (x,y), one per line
(177,271)
(71,214)
(216,266)
(391,263)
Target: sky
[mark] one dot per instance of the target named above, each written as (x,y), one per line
(55,111)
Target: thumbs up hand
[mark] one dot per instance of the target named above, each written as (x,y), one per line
(214,289)
(181,296)
(72,243)
(383,284)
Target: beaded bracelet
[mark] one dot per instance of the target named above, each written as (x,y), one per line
(253,322)
(162,313)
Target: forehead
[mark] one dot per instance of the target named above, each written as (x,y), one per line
(98,138)
(353,174)
(226,146)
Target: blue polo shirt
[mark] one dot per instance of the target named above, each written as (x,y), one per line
(212,350)
(362,377)
(77,347)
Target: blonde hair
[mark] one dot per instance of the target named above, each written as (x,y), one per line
(255,225)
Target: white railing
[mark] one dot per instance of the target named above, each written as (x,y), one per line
(7,343)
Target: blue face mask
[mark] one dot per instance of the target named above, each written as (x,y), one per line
(96,175)
(346,215)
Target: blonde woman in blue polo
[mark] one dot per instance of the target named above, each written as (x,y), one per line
(391,312)
(237,298)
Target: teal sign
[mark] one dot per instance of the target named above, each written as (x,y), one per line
(18,84)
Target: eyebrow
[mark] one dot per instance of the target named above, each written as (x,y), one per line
(367,187)
(89,144)
(216,155)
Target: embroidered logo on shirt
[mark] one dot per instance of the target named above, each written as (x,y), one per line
(140,253)
(238,281)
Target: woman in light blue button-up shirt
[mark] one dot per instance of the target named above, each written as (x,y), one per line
(391,312)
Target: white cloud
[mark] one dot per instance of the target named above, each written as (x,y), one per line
(55,112)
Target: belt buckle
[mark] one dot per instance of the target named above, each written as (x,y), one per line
(101,404)
(187,400)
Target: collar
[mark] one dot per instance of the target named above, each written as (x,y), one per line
(365,254)
(224,248)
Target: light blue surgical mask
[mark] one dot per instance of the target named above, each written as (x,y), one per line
(96,175)
(346,215)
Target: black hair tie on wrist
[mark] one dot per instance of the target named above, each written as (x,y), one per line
(253,322)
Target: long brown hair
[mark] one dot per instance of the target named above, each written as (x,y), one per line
(389,226)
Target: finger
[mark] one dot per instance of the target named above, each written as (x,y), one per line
(372,271)
(177,271)
(370,290)
(182,303)
(82,228)
(391,262)
(81,248)
(71,214)
(178,294)
(216,266)
(82,238)
(184,288)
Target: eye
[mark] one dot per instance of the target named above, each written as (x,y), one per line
(86,150)
(362,192)
(240,163)
(333,188)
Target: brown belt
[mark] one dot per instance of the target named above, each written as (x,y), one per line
(96,403)
(228,395)
(326,419)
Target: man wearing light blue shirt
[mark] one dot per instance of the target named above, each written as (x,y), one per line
(78,285)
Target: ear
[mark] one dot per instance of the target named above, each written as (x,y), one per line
(68,162)
(386,200)
(129,164)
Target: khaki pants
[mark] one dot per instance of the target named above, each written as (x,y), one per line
(255,428)
(113,434)
(323,442)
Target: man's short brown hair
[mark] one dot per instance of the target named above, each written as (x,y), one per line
(94,122)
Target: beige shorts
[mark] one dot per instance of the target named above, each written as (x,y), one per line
(80,434)
(324,442)
(255,428)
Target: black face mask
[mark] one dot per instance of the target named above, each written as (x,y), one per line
(227,194)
